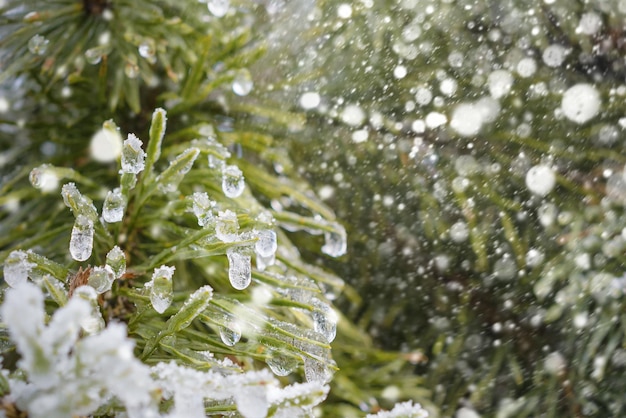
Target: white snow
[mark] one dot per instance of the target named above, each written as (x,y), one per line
(353,115)
(540,179)
(105,145)
(499,83)
(466,119)
(581,103)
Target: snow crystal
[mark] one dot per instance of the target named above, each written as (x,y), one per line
(93,322)
(81,240)
(133,156)
(232,181)
(239,268)
(403,410)
(114,206)
(466,119)
(581,103)
(500,83)
(310,100)
(203,208)
(17,268)
(540,179)
(353,115)
(105,145)
(226,226)
(554,55)
(161,288)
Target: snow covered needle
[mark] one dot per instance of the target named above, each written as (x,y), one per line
(68,376)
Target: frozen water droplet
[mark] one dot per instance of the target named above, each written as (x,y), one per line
(79,204)
(38,45)
(534,257)
(114,206)
(161,288)
(335,242)
(101,279)
(131,70)
(106,144)
(316,371)
(239,268)
(44,178)
(266,245)
(310,100)
(81,240)
(94,322)
(226,226)
(344,11)
(218,8)
(281,364)
(242,83)
(540,179)
(94,55)
(547,214)
(203,208)
(232,181)
(324,320)
(231,334)
(147,50)
(590,23)
(116,259)
(133,156)
(17,268)
(581,103)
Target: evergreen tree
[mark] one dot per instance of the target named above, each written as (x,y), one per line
(171,171)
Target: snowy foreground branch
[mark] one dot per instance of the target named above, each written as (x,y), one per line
(62,374)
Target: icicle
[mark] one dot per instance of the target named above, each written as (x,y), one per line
(227,226)
(161,288)
(232,181)
(17,268)
(239,268)
(114,206)
(79,204)
(316,371)
(81,240)
(266,245)
(324,320)
(116,259)
(264,262)
(101,279)
(94,322)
